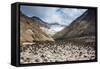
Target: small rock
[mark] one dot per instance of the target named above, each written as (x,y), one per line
(37,60)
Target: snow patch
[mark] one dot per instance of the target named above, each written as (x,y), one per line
(52,30)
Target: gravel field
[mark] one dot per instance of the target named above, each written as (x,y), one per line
(42,52)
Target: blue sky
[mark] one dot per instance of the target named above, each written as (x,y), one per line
(53,14)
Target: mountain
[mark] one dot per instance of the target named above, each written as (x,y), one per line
(56,24)
(30,30)
(52,28)
(82,26)
(39,22)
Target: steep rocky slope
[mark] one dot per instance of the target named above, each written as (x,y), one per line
(82,26)
(30,30)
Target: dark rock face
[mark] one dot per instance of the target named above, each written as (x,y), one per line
(82,26)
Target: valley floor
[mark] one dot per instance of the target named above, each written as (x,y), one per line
(57,51)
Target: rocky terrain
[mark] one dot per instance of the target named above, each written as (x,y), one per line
(82,26)
(30,30)
(75,42)
(57,51)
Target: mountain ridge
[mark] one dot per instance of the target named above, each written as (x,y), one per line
(30,31)
(83,25)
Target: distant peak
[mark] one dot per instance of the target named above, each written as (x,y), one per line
(35,17)
(56,24)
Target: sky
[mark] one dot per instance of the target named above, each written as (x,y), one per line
(59,15)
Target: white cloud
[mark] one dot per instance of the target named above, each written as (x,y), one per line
(52,14)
